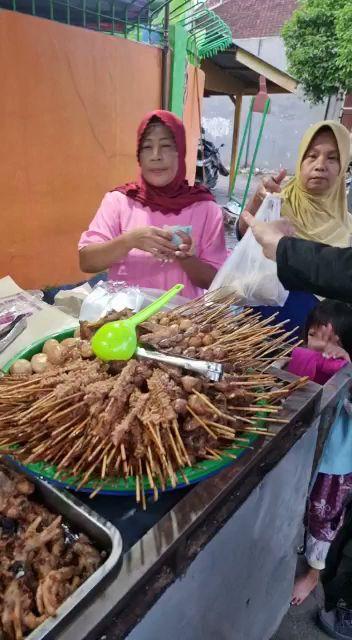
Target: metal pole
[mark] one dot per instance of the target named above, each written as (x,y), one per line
(244,136)
(251,171)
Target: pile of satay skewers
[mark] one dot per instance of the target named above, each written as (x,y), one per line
(97,422)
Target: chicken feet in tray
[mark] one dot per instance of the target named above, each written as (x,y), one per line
(41,561)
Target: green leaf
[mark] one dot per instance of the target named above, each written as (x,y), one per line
(318,41)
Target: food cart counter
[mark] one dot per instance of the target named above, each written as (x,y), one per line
(216,560)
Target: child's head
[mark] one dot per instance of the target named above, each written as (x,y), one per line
(334,313)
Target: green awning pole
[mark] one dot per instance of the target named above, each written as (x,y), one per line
(243,142)
(259,138)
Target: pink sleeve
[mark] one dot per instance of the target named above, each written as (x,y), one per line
(329,366)
(303,362)
(105,224)
(212,245)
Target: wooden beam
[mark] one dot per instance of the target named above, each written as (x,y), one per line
(219,80)
(235,137)
(263,68)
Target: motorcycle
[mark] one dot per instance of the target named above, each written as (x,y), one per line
(209,163)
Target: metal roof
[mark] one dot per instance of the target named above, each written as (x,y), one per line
(236,71)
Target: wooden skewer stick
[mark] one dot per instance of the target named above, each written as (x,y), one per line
(221,413)
(175,450)
(149,474)
(258,432)
(96,491)
(181,443)
(185,479)
(213,453)
(117,464)
(144,505)
(69,455)
(155,438)
(151,461)
(55,416)
(138,490)
(199,420)
(161,477)
(258,409)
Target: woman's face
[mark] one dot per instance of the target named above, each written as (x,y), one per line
(158,155)
(321,163)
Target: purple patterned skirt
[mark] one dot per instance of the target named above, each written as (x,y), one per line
(325,514)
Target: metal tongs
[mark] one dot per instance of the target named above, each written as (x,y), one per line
(211,370)
(9,333)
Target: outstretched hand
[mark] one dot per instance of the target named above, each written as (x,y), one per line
(271,184)
(269,234)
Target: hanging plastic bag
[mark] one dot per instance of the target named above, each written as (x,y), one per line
(247,272)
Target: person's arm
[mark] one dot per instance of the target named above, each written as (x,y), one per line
(100,256)
(252,206)
(104,244)
(326,271)
(212,254)
(200,273)
(303,265)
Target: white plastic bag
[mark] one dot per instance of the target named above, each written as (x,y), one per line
(247,272)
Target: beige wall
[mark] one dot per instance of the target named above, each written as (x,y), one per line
(71,100)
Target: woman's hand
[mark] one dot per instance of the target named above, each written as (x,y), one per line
(186,248)
(268,185)
(153,240)
(269,234)
(272,184)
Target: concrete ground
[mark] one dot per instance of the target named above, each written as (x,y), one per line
(299,622)
(222,186)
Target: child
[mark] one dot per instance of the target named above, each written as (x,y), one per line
(328,336)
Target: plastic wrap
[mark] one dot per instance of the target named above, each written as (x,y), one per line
(110,296)
(20,304)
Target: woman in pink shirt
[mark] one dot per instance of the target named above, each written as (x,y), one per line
(128,236)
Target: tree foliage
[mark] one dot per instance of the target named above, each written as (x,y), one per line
(318,40)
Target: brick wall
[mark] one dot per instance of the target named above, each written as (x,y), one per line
(255,18)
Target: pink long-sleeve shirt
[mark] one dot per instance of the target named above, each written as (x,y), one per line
(305,362)
(118,214)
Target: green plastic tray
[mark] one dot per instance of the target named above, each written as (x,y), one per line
(119,486)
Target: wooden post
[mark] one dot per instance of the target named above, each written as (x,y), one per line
(235,137)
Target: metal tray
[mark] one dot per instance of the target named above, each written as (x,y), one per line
(82,519)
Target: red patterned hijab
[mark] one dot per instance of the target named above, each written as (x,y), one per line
(178,194)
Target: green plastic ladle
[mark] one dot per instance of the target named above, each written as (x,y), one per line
(118,340)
